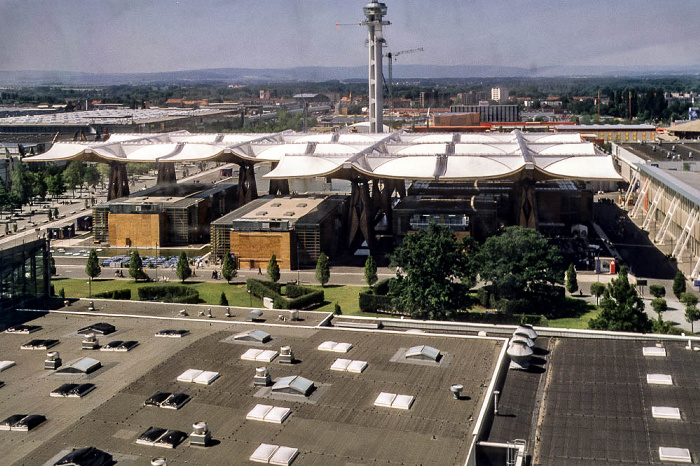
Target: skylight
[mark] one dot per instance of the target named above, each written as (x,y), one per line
(23,329)
(347,365)
(73,390)
(665,412)
(6,365)
(294,385)
(392,400)
(81,366)
(198,376)
(423,352)
(254,354)
(89,455)
(121,346)
(676,455)
(273,454)
(172,333)
(654,351)
(253,335)
(335,347)
(159,437)
(40,344)
(22,422)
(267,413)
(659,379)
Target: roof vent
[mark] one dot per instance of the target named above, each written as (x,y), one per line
(90,342)
(302,204)
(456,390)
(256,315)
(201,437)
(520,355)
(159,461)
(527,330)
(276,204)
(286,355)
(53,361)
(289,213)
(261,213)
(524,339)
(262,377)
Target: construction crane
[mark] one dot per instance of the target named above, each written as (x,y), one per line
(392,57)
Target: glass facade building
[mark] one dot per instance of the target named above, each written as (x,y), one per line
(24,274)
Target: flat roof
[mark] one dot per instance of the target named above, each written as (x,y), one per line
(436,430)
(660,152)
(598,404)
(288,208)
(178,195)
(120,116)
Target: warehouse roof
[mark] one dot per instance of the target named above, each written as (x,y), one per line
(445,156)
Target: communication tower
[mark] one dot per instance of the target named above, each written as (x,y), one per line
(375,11)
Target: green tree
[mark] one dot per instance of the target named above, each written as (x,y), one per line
(337,310)
(39,187)
(55,185)
(136,267)
(679,284)
(73,174)
(370,271)
(21,182)
(183,269)
(432,260)
(91,175)
(517,260)
(657,291)
(223,300)
(622,309)
(597,290)
(660,306)
(692,314)
(228,268)
(273,269)
(571,281)
(323,270)
(689,299)
(92,269)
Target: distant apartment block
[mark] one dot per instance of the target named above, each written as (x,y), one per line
(490,113)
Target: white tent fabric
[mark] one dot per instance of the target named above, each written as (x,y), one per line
(440,156)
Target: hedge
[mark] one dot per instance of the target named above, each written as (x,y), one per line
(169,294)
(302,297)
(503,319)
(371,302)
(115,294)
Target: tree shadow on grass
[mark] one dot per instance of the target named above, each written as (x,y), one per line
(571,308)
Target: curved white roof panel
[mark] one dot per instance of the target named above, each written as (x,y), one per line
(449,156)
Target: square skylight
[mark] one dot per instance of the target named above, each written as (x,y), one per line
(284,456)
(676,455)
(654,351)
(357,367)
(251,354)
(659,379)
(665,412)
(263,453)
(277,415)
(206,377)
(189,375)
(403,402)
(258,413)
(385,399)
(6,365)
(340,365)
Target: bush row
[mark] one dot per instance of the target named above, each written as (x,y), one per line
(265,289)
(115,294)
(371,302)
(169,294)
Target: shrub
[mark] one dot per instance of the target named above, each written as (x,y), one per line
(124,294)
(302,297)
(169,294)
(372,302)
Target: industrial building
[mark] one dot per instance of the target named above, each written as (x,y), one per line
(294,228)
(490,113)
(482,209)
(613,133)
(664,196)
(165,215)
(587,397)
(24,274)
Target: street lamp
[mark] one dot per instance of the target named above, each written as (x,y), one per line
(250,298)
(156,260)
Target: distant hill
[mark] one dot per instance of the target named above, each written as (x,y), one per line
(319,74)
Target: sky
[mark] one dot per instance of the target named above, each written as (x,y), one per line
(105,36)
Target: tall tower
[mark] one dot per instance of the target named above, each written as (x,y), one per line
(374,11)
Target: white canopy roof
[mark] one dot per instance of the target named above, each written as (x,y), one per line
(399,155)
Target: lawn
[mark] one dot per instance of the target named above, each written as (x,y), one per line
(574,322)
(210,292)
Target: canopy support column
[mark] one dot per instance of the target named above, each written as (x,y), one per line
(382,193)
(278,187)
(361,214)
(166,173)
(247,188)
(526,203)
(118,181)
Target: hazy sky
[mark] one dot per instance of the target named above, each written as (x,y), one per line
(166,35)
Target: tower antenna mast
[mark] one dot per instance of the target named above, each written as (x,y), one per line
(374,12)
